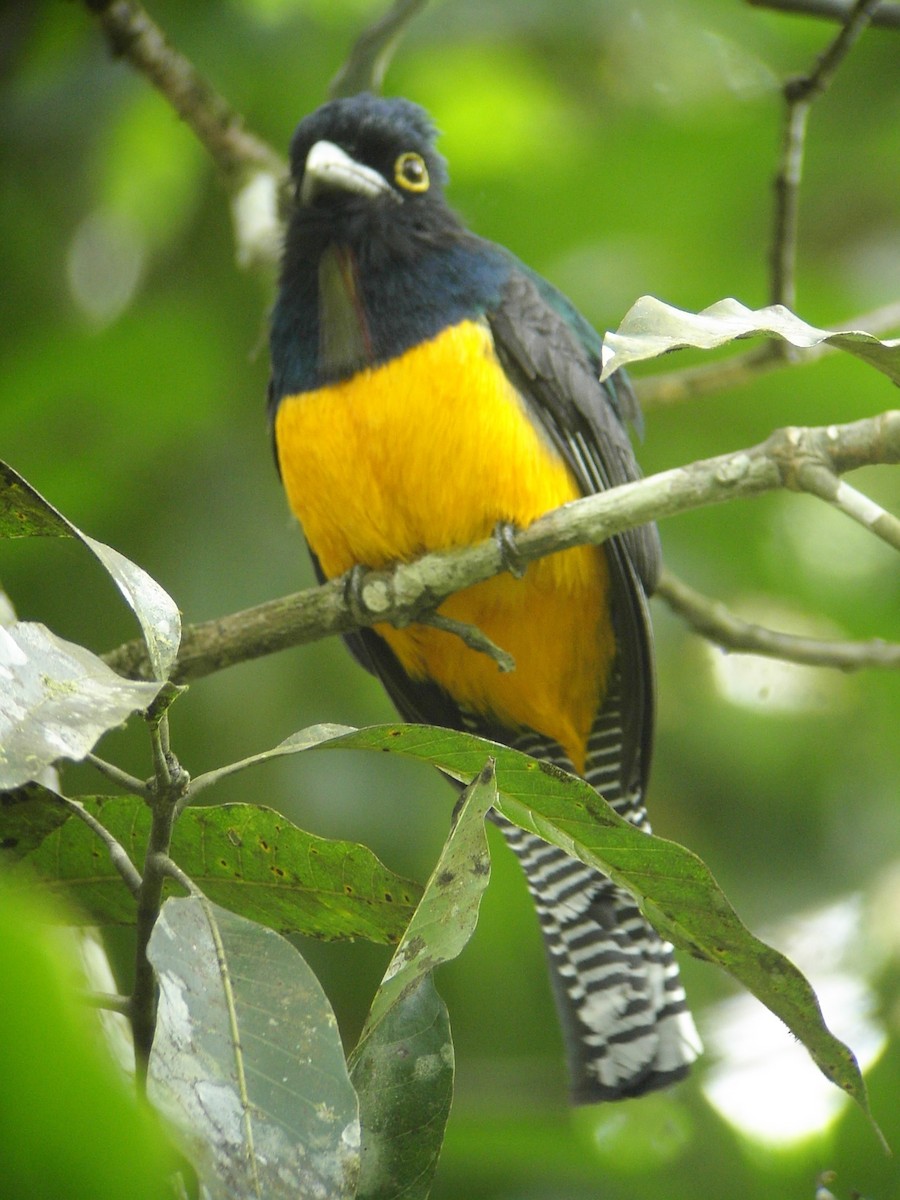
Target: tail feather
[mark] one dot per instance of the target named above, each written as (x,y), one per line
(623,1009)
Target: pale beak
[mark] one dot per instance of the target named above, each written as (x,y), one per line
(329,168)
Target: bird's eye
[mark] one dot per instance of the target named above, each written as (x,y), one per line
(411,173)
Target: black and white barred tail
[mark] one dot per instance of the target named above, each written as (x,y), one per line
(623,1010)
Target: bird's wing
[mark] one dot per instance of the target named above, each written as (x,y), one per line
(553,360)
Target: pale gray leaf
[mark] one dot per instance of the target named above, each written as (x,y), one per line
(247,1059)
(57,700)
(154,608)
(651,328)
(24,512)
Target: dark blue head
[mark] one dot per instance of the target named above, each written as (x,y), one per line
(375,131)
(365,170)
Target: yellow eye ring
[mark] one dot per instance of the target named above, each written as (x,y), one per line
(411,173)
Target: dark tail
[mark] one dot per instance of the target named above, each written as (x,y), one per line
(623,1010)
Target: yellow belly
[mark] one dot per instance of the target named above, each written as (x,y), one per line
(430,451)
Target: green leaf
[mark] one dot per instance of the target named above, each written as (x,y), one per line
(651,328)
(57,701)
(448,911)
(674,888)
(72,862)
(305,739)
(27,816)
(402,1067)
(247,1059)
(403,1075)
(25,513)
(249,859)
(71,1124)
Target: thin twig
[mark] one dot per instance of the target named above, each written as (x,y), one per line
(783,257)
(819,481)
(128,783)
(169,785)
(373,50)
(859,15)
(117,853)
(687,383)
(799,94)
(418,588)
(866,512)
(886,14)
(713,620)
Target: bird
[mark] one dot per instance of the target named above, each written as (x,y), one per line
(428,390)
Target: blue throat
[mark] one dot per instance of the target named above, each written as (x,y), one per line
(345,308)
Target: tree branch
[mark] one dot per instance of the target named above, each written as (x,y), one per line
(799,94)
(886,14)
(712,620)
(133,35)
(251,170)
(398,597)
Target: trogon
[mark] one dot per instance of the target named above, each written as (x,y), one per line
(427,389)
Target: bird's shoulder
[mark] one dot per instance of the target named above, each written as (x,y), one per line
(551,354)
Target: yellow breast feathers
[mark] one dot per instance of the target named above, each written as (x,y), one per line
(429,451)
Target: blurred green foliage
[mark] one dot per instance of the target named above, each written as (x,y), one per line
(71,1124)
(620,148)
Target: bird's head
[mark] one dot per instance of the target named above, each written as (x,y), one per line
(366,166)
(375,261)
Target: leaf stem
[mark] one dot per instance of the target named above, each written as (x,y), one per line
(108,1002)
(217,774)
(169,867)
(117,852)
(235,1041)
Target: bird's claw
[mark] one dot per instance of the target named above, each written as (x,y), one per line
(510,555)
